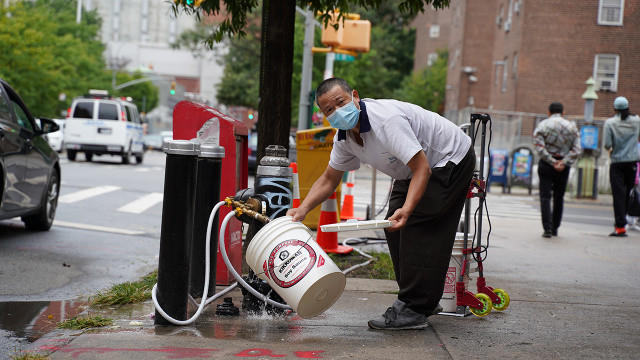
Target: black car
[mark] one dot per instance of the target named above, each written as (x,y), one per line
(29,167)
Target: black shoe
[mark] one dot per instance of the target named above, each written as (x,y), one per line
(554,232)
(399,317)
(547,233)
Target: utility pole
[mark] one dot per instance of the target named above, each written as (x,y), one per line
(307,71)
(328,65)
(79,12)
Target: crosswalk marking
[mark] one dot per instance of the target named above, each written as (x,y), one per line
(142,204)
(86,194)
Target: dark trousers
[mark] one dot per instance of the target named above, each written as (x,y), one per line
(421,250)
(556,182)
(622,177)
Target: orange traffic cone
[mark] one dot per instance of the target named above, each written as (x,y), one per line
(329,215)
(346,212)
(296,186)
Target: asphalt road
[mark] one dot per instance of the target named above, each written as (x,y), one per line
(106,231)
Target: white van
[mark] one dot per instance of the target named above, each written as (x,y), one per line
(98,124)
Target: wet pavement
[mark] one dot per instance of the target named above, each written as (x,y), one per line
(22,323)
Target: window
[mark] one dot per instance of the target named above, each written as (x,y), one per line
(505,74)
(23,119)
(500,16)
(507,24)
(83,110)
(434,31)
(605,71)
(610,12)
(432,58)
(108,111)
(130,117)
(5,110)
(514,70)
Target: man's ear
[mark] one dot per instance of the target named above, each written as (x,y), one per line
(355,95)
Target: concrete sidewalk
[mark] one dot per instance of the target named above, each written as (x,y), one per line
(575,296)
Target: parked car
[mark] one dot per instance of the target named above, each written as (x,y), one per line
(29,167)
(99,124)
(253,150)
(155,141)
(56,139)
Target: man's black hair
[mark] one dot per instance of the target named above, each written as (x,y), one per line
(556,108)
(329,83)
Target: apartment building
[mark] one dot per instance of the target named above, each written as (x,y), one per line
(520,55)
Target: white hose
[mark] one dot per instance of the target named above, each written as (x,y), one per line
(207,270)
(233,271)
(359,252)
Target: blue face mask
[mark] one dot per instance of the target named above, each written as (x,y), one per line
(346,117)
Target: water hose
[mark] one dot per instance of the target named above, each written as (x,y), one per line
(233,271)
(207,270)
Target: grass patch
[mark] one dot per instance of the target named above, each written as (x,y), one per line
(380,268)
(85,322)
(126,293)
(29,355)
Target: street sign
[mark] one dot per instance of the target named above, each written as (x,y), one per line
(589,137)
(344,57)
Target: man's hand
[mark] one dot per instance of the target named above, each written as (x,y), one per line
(297,214)
(400,218)
(558,165)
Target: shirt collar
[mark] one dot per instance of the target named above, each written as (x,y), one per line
(365,125)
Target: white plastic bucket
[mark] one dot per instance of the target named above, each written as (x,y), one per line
(449,297)
(284,254)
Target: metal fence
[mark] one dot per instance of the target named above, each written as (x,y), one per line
(513,129)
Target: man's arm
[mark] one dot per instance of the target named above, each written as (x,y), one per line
(319,192)
(607,137)
(421,172)
(540,145)
(576,148)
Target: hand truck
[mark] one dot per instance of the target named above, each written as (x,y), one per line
(487,297)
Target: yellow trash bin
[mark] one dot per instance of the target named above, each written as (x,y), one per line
(314,148)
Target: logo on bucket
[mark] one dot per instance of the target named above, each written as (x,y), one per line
(290,261)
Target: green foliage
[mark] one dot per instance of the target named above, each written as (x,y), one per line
(85,322)
(127,293)
(375,74)
(144,95)
(426,87)
(29,355)
(380,267)
(45,53)
(378,73)
(238,12)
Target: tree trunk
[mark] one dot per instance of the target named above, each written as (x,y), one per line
(276,69)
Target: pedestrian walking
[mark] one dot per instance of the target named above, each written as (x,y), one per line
(621,138)
(558,143)
(432,162)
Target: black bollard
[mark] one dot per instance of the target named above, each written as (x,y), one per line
(207,195)
(177,228)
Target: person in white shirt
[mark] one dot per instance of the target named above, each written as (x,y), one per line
(431,161)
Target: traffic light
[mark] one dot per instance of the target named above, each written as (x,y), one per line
(173,88)
(194,3)
(250,115)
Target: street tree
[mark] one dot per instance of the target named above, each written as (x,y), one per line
(426,87)
(276,55)
(53,57)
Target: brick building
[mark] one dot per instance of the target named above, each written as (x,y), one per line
(429,37)
(521,55)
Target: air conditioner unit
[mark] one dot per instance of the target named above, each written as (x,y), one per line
(507,26)
(498,20)
(605,84)
(516,7)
